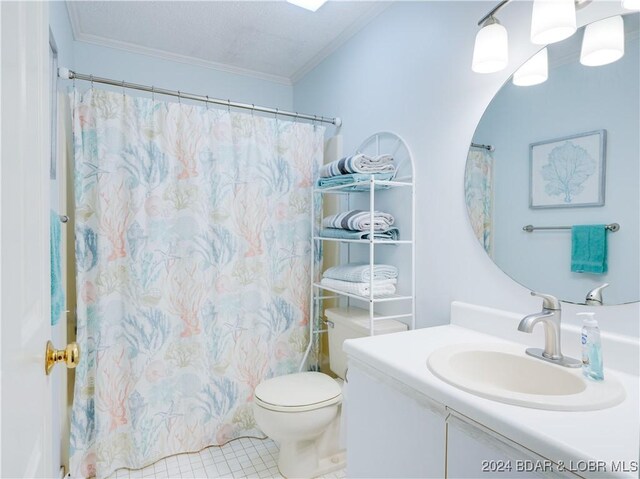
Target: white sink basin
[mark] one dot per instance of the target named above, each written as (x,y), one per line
(503,372)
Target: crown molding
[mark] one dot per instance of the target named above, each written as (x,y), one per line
(80,36)
(340,40)
(176,57)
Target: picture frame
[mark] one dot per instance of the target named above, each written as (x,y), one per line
(568,172)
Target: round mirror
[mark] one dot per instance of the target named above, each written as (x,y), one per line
(553,162)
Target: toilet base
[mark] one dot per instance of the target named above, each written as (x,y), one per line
(299,460)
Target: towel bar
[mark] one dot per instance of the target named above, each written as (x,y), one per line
(613,227)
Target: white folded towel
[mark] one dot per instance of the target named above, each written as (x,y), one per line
(385,287)
(361,272)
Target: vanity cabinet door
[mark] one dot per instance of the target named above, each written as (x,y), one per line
(474,451)
(389,433)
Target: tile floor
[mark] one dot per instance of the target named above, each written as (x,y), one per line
(242,458)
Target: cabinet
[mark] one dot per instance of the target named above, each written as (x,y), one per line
(475,451)
(395,432)
(391,434)
(395,196)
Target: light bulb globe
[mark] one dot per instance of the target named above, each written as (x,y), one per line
(603,42)
(491,49)
(552,21)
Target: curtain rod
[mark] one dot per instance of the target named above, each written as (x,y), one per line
(71,75)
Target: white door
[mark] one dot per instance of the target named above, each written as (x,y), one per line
(25,407)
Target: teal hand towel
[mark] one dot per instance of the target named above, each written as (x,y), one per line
(57,294)
(589,249)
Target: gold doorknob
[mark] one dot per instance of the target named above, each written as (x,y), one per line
(69,355)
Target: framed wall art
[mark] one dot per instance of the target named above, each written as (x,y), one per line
(568,172)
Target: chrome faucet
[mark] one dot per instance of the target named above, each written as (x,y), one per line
(594,297)
(550,318)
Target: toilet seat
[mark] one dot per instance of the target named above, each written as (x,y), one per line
(298,392)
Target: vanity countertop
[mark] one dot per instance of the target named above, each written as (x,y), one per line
(609,435)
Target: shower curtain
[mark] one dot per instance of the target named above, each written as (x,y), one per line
(193,273)
(478,189)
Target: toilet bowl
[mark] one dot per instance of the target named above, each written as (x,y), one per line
(301,412)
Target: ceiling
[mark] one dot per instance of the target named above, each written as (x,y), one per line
(273,40)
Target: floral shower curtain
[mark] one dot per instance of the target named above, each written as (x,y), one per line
(193,255)
(478,188)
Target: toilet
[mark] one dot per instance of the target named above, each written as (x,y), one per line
(301,412)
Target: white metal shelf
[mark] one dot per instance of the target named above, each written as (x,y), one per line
(379,299)
(379,318)
(364,185)
(391,316)
(397,306)
(362,241)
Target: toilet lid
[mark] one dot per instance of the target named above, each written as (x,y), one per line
(296,390)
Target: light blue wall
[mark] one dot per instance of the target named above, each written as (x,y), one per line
(409,71)
(148,70)
(575,99)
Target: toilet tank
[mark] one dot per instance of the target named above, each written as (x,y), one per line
(350,323)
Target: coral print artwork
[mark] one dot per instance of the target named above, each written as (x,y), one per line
(568,171)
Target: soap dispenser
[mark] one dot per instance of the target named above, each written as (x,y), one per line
(591,348)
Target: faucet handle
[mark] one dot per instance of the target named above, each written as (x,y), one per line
(594,297)
(548,301)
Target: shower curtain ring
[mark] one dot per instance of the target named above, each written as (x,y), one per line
(123,95)
(295,120)
(253,107)
(91,79)
(276,116)
(206,103)
(153,93)
(179,97)
(229,106)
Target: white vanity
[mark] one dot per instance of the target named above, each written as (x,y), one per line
(403,421)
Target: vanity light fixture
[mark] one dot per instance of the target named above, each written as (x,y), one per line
(631,4)
(603,42)
(311,5)
(534,71)
(491,50)
(552,21)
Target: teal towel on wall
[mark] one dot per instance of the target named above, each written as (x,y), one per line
(57,294)
(589,249)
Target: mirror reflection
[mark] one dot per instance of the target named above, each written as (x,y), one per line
(560,149)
